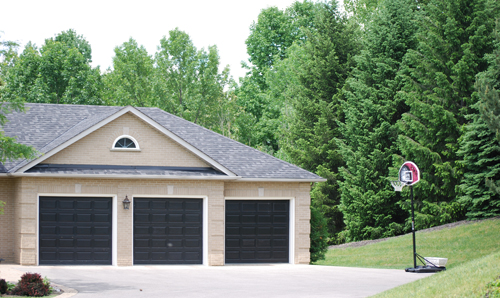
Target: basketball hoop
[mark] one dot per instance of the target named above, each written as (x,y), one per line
(398,185)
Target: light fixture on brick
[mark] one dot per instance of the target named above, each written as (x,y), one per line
(126,203)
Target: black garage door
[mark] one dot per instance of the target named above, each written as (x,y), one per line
(75,231)
(168,231)
(257,231)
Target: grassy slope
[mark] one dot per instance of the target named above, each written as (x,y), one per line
(466,280)
(460,244)
(473,253)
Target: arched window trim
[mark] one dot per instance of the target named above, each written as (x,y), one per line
(137,148)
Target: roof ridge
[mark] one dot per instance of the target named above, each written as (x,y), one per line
(234,141)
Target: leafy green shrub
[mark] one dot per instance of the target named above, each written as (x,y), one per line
(493,289)
(319,235)
(31,284)
(3,286)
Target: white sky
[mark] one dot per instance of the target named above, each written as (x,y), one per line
(107,24)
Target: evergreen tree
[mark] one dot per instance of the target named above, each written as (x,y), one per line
(488,86)
(438,82)
(321,66)
(369,135)
(481,161)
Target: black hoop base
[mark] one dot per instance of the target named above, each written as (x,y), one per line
(425,269)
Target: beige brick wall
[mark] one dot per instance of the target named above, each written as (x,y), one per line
(299,191)
(156,148)
(30,188)
(23,194)
(7,219)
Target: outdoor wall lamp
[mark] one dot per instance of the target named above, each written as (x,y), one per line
(126,203)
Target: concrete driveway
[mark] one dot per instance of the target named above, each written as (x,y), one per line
(228,281)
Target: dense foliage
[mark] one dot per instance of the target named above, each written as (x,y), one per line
(347,96)
(319,235)
(31,284)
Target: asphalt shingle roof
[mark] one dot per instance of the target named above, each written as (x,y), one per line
(46,126)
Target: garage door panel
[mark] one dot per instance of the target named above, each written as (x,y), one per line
(248,219)
(66,230)
(84,243)
(192,206)
(248,243)
(280,231)
(257,231)
(69,234)
(280,219)
(248,207)
(158,242)
(232,219)
(141,229)
(138,243)
(232,231)
(264,207)
(102,205)
(68,204)
(47,204)
(192,231)
(48,242)
(195,218)
(104,218)
(192,256)
(85,205)
(231,243)
(280,207)
(138,205)
(175,205)
(176,227)
(264,219)
(179,230)
(263,243)
(248,231)
(141,218)
(175,218)
(102,231)
(65,217)
(192,243)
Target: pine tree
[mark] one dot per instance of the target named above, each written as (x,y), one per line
(369,204)
(321,66)
(488,86)
(438,82)
(481,161)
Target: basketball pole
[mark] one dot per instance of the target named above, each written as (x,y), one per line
(413,228)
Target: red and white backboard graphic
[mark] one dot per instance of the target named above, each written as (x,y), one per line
(409,173)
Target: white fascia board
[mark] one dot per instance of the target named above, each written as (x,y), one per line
(123,176)
(75,139)
(280,180)
(183,143)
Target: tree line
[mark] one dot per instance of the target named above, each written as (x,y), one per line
(349,96)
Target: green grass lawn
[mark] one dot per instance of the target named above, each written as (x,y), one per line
(473,253)
(460,244)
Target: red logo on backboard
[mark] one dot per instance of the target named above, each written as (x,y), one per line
(409,173)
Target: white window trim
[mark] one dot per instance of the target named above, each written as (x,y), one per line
(137,148)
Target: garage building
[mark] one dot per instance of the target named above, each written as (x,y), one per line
(138,186)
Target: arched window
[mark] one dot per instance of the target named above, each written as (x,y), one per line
(126,143)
